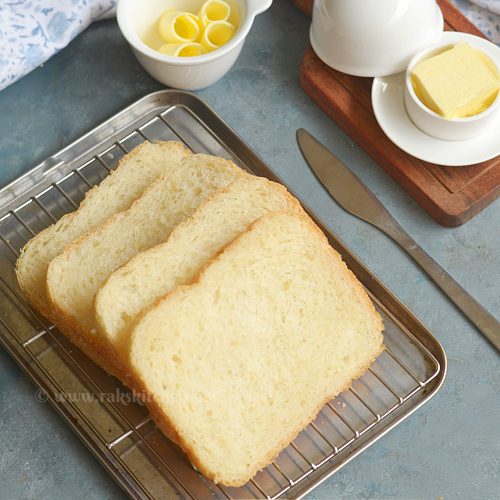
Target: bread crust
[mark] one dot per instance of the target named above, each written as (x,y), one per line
(86,341)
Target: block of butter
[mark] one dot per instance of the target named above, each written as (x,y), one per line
(457,83)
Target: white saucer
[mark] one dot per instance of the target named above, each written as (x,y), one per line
(389,108)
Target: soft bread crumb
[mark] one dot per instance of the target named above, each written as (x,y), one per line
(157,271)
(237,364)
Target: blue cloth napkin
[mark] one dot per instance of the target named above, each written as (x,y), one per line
(31,31)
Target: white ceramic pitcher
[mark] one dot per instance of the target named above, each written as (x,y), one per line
(373,37)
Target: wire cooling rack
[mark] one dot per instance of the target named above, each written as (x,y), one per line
(103,413)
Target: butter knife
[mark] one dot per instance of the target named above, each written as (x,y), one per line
(354,197)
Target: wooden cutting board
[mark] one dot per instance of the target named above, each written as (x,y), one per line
(451,195)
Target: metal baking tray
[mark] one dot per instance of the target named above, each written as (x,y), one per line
(102,412)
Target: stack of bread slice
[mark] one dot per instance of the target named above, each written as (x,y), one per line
(211,293)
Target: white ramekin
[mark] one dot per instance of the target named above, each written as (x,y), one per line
(190,73)
(431,123)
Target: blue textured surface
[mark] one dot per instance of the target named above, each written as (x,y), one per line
(449,448)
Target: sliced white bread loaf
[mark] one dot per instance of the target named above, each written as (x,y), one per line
(74,276)
(157,271)
(135,172)
(238,363)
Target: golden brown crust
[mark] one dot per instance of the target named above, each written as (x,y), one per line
(87,341)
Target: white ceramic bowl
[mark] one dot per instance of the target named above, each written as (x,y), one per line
(137,20)
(373,37)
(458,129)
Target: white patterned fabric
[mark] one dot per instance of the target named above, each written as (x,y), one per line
(485,14)
(31,31)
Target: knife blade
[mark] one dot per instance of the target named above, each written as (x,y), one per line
(354,197)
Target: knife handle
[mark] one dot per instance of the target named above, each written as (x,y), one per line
(485,322)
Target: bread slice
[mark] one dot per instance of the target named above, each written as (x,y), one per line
(74,276)
(238,363)
(135,172)
(157,271)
